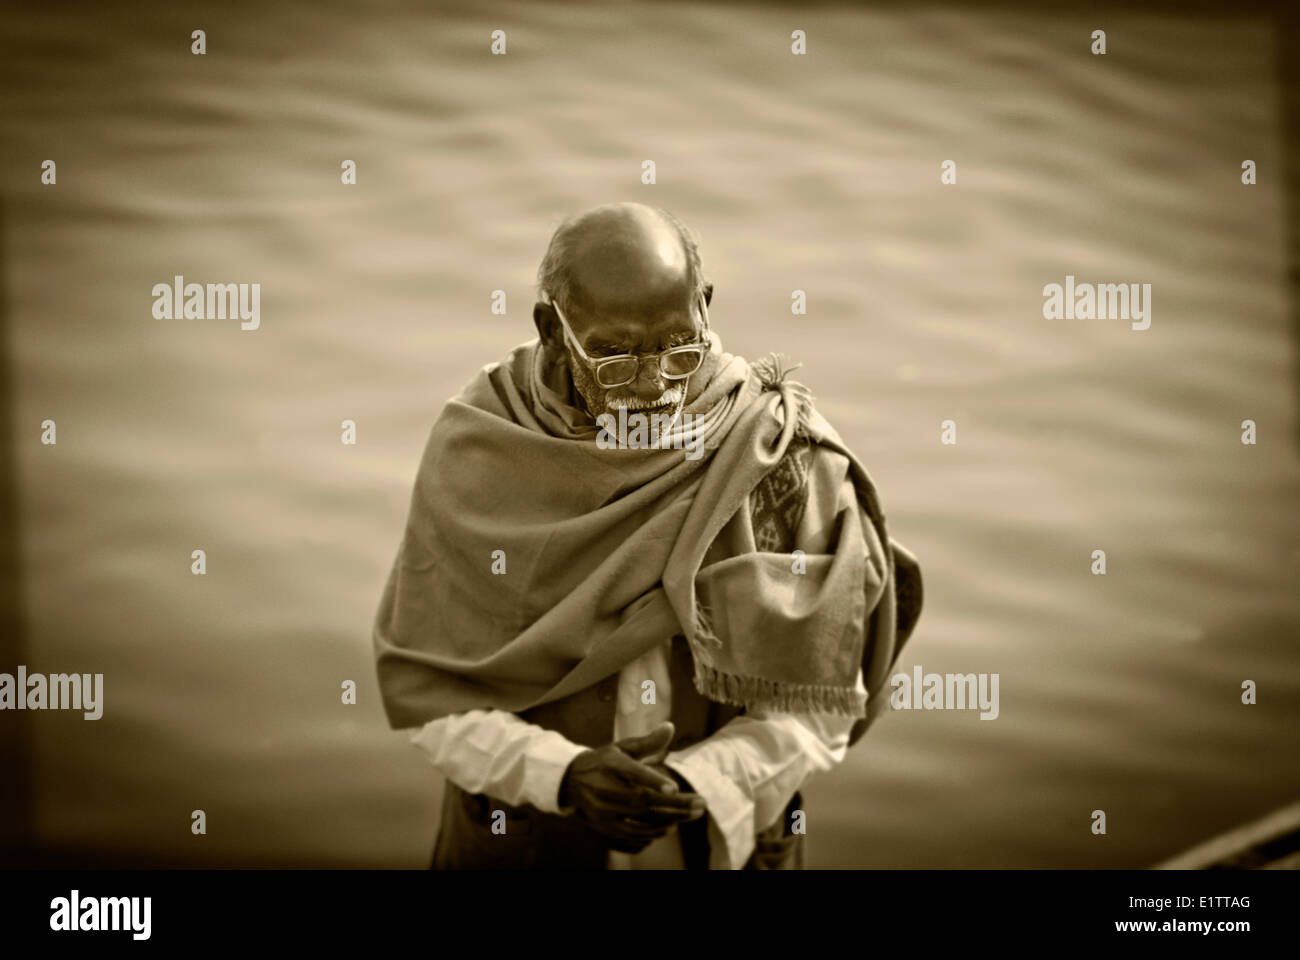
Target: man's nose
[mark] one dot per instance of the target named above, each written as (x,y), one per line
(649,382)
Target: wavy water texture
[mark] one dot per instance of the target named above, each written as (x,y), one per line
(818,173)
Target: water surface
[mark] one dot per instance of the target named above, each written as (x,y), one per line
(818,173)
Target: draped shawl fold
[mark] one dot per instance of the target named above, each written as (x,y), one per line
(601,552)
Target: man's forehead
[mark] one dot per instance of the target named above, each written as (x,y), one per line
(610,304)
(619,320)
(639,305)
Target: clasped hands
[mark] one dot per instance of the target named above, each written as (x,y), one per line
(627,795)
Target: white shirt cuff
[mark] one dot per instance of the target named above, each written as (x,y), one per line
(731,814)
(500,754)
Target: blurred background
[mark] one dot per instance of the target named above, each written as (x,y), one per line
(816,172)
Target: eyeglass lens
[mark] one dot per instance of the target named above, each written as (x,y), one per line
(679,363)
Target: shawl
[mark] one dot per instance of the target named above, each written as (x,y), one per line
(535,563)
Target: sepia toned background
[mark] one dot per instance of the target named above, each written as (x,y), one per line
(818,173)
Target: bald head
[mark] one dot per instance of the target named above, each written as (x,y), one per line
(621,256)
(627,256)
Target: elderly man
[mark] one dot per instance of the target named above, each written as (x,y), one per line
(644,591)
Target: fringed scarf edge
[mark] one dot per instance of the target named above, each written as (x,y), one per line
(757,692)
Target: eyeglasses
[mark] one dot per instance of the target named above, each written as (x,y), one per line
(675,363)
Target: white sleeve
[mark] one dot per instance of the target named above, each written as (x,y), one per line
(748,770)
(500,754)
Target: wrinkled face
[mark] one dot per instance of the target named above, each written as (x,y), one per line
(613,329)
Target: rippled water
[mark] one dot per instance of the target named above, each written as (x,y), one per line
(817,173)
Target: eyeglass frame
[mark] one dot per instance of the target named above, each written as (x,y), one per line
(597,362)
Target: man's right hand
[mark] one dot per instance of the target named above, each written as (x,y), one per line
(622,798)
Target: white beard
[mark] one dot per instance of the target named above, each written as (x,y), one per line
(669,397)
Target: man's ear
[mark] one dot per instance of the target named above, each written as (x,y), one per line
(548,324)
(708,293)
